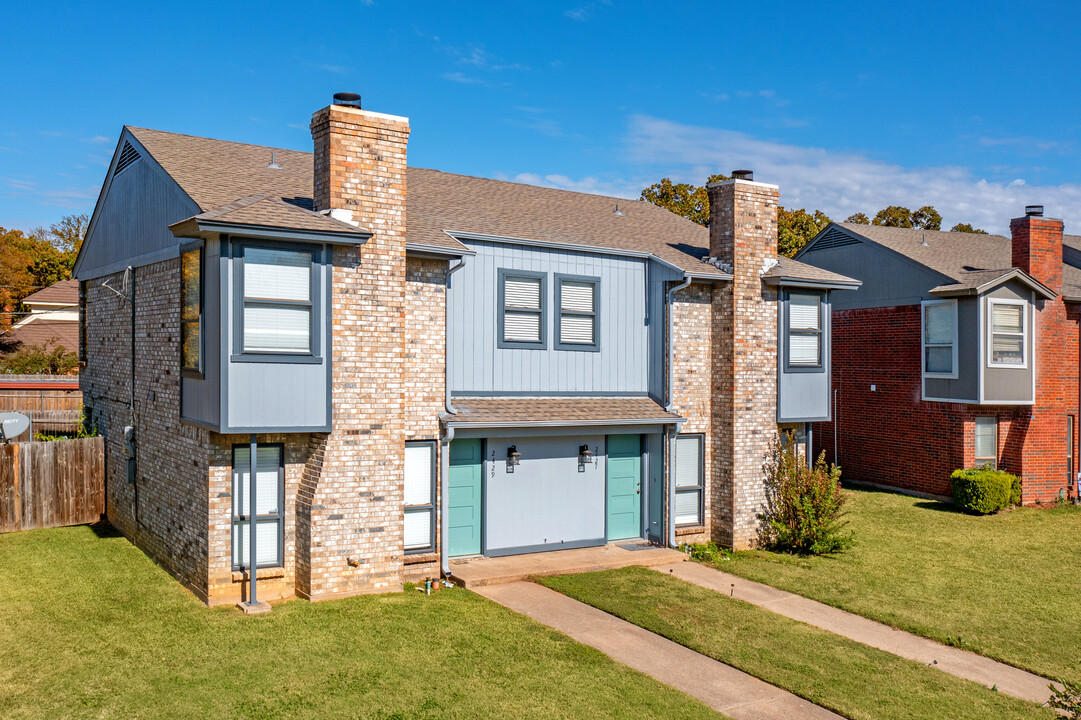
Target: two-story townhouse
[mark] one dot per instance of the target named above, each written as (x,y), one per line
(959,349)
(417,366)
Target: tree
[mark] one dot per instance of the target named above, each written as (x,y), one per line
(684,199)
(40,360)
(796,228)
(926,218)
(858,219)
(967,228)
(31,262)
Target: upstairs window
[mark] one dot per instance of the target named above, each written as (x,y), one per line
(577,324)
(804,338)
(940,338)
(1007,332)
(521,309)
(277,301)
(191,310)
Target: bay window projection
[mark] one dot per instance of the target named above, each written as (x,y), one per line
(277,305)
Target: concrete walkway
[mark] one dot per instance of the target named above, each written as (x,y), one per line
(480,571)
(954,661)
(735,693)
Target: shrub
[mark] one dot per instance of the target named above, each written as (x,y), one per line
(985,490)
(707,552)
(804,505)
(40,360)
(1068,699)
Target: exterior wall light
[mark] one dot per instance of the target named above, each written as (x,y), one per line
(585,457)
(513,458)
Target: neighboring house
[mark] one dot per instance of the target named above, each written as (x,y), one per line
(53,320)
(427,365)
(958,350)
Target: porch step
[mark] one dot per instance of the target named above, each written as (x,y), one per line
(482,571)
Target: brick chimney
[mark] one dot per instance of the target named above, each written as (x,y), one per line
(743,235)
(1037,246)
(349,505)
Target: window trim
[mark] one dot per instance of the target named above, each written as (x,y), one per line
(236,519)
(991,302)
(1071,456)
(194,372)
(789,367)
(430,507)
(558,343)
(501,309)
(993,461)
(700,488)
(313,304)
(953,375)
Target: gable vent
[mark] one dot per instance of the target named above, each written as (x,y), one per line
(834,237)
(128,157)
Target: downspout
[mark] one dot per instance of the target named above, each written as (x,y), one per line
(671,345)
(446,340)
(672,484)
(444,501)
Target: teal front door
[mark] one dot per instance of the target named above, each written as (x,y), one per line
(624,487)
(463,499)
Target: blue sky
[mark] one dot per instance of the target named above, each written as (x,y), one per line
(972,107)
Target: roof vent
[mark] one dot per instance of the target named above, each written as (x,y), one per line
(347,100)
(617,212)
(1034,210)
(834,237)
(743,174)
(273,165)
(128,157)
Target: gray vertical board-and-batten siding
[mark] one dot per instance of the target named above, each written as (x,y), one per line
(803,395)
(477,365)
(1002,384)
(131,221)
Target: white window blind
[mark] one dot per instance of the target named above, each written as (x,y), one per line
(521,327)
(269,516)
(803,312)
(805,329)
(418,530)
(277,300)
(576,296)
(986,445)
(266,544)
(522,293)
(522,309)
(420,505)
(939,329)
(577,312)
(688,480)
(576,329)
(277,328)
(1008,334)
(277,274)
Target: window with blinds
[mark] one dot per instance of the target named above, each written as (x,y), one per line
(191,310)
(419,497)
(804,331)
(986,443)
(277,314)
(688,473)
(1007,333)
(577,326)
(521,318)
(940,337)
(269,516)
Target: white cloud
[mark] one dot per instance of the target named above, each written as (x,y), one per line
(840,183)
(463,78)
(97,139)
(592,185)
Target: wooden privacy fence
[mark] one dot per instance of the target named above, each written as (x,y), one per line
(51,484)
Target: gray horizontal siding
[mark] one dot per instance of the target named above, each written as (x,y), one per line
(477,364)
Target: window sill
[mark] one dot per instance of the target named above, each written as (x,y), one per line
(262,574)
(690,530)
(273,358)
(418,558)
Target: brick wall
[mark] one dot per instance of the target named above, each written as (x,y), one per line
(892,437)
(349,505)
(165,511)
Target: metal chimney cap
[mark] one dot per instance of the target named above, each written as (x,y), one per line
(347,99)
(1034,210)
(743,175)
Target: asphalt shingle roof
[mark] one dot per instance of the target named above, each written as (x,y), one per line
(264,211)
(794,269)
(487,411)
(65,292)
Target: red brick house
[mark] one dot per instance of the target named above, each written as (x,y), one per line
(959,349)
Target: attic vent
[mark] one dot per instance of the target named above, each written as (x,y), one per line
(834,237)
(128,156)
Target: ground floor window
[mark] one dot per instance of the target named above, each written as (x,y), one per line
(419,497)
(269,500)
(986,440)
(688,478)
(1069,449)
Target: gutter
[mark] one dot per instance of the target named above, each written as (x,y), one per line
(672,484)
(444,500)
(446,340)
(687,279)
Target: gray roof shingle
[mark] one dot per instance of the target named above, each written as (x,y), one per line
(789,269)
(495,411)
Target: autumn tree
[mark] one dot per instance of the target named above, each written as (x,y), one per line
(796,228)
(31,262)
(967,228)
(858,218)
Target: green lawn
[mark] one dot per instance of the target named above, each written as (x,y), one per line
(855,680)
(89,627)
(1007,586)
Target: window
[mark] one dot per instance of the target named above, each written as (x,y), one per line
(419,497)
(1069,450)
(191,310)
(521,304)
(688,478)
(277,311)
(986,440)
(577,323)
(1007,333)
(804,337)
(940,338)
(269,498)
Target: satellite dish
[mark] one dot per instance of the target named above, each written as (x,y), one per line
(13,424)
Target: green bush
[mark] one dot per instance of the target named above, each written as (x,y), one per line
(1068,699)
(984,490)
(804,505)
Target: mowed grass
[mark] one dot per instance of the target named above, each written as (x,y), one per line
(1007,586)
(852,679)
(90,627)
